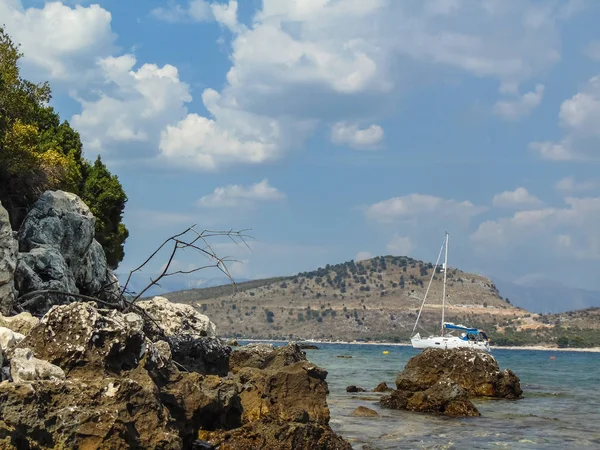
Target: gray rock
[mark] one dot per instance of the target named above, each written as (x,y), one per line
(8,263)
(205,355)
(93,276)
(9,339)
(25,367)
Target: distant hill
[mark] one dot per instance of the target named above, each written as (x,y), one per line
(547,297)
(378,300)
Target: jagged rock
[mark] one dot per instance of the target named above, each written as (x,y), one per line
(233,343)
(58,252)
(265,356)
(475,371)
(382,387)
(9,339)
(363,411)
(21,323)
(176,319)
(80,336)
(164,350)
(272,434)
(281,384)
(25,367)
(8,261)
(354,389)
(205,355)
(444,397)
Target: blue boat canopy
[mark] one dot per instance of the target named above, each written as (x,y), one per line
(451,326)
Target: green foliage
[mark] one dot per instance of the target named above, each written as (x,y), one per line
(38,153)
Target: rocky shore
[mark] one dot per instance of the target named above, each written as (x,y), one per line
(82,369)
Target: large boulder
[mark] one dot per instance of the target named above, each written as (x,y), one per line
(477,372)
(25,367)
(266,356)
(58,252)
(8,262)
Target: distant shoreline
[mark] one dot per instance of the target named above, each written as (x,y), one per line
(398,344)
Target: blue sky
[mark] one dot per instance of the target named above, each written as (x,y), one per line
(335,129)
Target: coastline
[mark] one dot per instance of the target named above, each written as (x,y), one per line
(400,344)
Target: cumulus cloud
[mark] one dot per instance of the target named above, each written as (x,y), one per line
(415,207)
(578,117)
(134,107)
(355,137)
(518,198)
(569,185)
(521,106)
(234,195)
(195,10)
(61,43)
(400,246)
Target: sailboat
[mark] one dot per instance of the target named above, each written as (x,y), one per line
(468,338)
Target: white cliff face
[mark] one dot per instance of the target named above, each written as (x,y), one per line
(178,319)
(8,263)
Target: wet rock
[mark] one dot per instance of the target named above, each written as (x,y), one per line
(475,371)
(272,434)
(355,389)
(344,356)
(308,347)
(382,387)
(21,323)
(25,367)
(266,356)
(363,411)
(8,262)
(444,397)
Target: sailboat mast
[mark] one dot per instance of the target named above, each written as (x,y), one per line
(444,288)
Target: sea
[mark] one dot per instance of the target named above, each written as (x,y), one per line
(560,408)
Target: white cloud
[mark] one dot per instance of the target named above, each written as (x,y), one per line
(518,198)
(414,207)
(400,246)
(579,117)
(569,231)
(226,14)
(569,185)
(351,135)
(522,106)
(234,195)
(196,10)
(60,42)
(593,50)
(362,256)
(134,106)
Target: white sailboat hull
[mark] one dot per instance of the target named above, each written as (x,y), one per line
(447,342)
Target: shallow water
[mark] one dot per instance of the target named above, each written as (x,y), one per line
(560,408)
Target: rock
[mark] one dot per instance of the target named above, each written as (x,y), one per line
(176,319)
(205,355)
(344,356)
(80,337)
(21,323)
(8,262)
(271,434)
(444,397)
(25,367)
(475,371)
(164,350)
(354,389)
(382,387)
(58,252)
(363,411)
(308,347)
(9,339)
(233,343)
(266,356)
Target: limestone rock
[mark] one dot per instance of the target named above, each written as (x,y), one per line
(265,356)
(354,389)
(25,367)
(8,262)
(176,319)
(81,337)
(475,371)
(21,323)
(363,411)
(206,355)
(272,434)
(382,387)
(9,339)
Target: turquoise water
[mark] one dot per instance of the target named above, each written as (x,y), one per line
(560,408)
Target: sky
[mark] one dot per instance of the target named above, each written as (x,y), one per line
(338,129)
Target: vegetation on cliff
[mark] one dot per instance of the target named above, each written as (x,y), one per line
(38,152)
